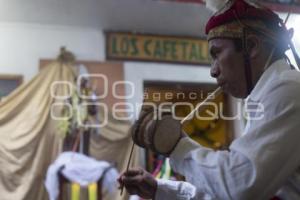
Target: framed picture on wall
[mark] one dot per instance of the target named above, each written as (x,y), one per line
(8,83)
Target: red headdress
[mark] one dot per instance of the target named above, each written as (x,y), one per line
(239,14)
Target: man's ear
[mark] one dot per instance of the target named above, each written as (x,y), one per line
(253,45)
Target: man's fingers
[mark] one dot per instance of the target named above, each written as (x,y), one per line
(132,180)
(133,172)
(131,186)
(132,190)
(140,182)
(120,180)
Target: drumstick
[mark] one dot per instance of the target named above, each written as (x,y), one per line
(209,97)
(128,163)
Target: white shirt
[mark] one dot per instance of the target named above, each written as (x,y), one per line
(258,164)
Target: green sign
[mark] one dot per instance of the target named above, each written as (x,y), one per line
(126,46)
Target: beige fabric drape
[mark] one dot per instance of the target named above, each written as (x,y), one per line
(29,141)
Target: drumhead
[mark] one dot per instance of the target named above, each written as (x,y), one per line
(166,135)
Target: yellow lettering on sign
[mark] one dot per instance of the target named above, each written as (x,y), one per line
(157,48)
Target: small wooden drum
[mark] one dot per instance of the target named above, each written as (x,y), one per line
(159,135)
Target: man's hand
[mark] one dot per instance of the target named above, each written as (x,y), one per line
(140,182)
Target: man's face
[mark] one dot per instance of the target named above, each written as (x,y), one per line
(228,67)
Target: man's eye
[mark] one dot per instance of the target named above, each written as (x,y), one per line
(214,54)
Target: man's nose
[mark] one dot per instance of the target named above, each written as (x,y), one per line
(214,71)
